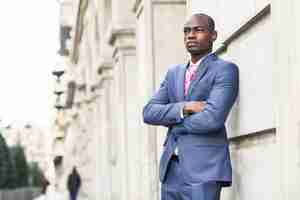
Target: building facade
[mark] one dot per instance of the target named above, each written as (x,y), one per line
(116,55)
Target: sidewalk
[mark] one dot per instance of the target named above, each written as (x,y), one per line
(51,194)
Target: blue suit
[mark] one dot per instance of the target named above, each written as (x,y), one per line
(200,138)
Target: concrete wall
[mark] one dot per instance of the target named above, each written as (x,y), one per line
(251,125)
(255,62)
(255,168)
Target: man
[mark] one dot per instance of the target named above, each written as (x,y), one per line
(74,183)
(193,101)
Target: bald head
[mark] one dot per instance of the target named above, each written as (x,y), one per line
(203,19)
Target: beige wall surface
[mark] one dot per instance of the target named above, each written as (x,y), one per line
(253,52)
(254,157)
(254,110)
(230,14)
(255,169)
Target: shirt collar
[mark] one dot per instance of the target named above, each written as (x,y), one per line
(199,61)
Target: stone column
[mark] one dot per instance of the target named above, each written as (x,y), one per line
(128,113)
(104,11)
(125,112)
(159,44)
(105,156)
(105,161)
(122,17)
(286,73)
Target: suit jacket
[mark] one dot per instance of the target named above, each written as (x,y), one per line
(201,138)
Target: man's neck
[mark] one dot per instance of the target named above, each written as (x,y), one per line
(196,58)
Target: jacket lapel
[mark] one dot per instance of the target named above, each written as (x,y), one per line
(201,71)
(180,82)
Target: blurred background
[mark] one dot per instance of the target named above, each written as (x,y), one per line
(28,47)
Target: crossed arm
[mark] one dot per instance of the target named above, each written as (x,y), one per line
(202,117)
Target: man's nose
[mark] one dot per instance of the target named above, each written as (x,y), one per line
(191,34)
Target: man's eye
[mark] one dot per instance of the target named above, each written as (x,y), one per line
(200,30)
(186,30)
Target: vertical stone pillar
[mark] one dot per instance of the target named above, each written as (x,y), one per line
(94,148)
(159,44)
(104,11)
(121,14)
(107,133)
(98,144)
(126,113)
(105,164)
(286,73)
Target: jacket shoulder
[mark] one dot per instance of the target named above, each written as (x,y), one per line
(175,68)
(224,65)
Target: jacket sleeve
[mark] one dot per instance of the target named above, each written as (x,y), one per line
(218,104)
(159,110)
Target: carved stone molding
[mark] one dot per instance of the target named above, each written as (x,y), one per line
(138,4)
(122,37)
(104,64)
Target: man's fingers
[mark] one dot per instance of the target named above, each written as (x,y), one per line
(194,106)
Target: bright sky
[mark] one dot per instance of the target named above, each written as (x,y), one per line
(28,46)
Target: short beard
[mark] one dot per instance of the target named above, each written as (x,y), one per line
(198,52)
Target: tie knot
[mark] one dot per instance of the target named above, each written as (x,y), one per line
(193,67)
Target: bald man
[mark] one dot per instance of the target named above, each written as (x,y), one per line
(193,101)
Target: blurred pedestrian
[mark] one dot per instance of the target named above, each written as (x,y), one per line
(73,184)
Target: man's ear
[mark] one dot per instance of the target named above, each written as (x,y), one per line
(214,35)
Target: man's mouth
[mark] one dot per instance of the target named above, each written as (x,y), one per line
(190,44)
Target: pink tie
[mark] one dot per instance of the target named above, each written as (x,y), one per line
(189,76)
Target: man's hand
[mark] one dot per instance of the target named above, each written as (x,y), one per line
(193,107)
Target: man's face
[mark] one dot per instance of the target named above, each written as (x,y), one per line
(198,38)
